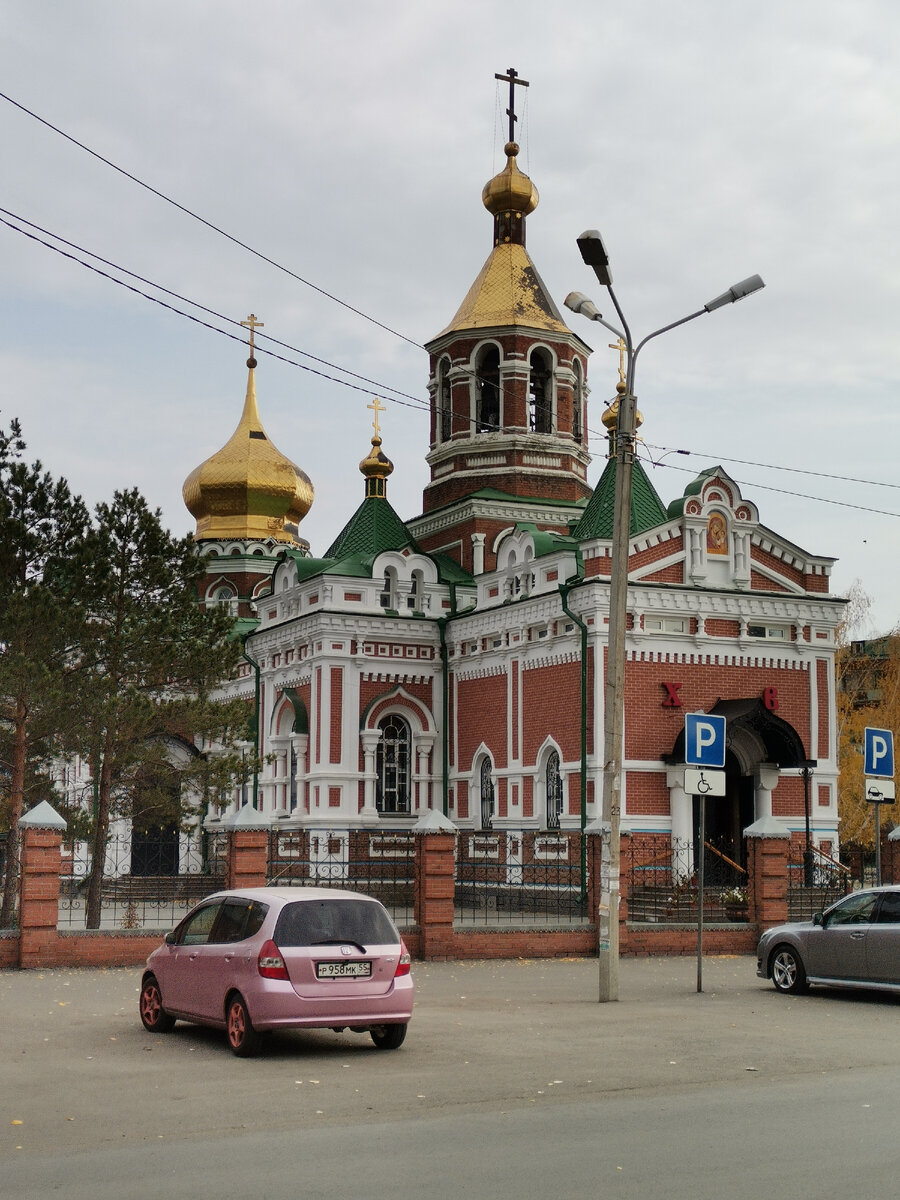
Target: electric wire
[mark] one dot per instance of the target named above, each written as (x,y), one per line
(404,399)
(209,224)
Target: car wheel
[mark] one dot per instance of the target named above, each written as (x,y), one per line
(153,1015)
(242,1037)
(388,1037)
(787,970)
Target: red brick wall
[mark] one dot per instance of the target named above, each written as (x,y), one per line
(337,710)
(778,565)
(482,706)
(716,627)
(651,729)
(551,704)
(822,671)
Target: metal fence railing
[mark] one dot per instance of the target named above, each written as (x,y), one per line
(148,883)
(379,864)
(535,879)
(664,887)
(815,880)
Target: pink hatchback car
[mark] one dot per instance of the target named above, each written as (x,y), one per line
(282,958)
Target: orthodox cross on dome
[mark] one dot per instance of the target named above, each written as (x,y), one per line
(512,78)
(253,325)
(621,347)
(377,408)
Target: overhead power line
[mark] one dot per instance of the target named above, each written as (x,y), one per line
(209,224)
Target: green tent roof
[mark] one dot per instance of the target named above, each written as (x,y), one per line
(647,510)
(372,529)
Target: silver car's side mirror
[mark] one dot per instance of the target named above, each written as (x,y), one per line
(817,919)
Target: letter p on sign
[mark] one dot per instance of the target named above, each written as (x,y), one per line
(704,740)
(879,753)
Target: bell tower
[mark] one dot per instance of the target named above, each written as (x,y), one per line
(508,385)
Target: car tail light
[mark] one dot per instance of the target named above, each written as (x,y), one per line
(270,963)
(403,966)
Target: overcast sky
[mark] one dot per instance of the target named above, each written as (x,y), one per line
(349,143)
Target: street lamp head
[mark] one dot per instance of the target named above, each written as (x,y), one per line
(745,288)
(594,255)
(578,302)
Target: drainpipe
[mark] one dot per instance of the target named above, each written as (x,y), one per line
(445,707)
(564,589)
(256,690)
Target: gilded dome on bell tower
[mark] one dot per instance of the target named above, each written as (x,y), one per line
(248,490)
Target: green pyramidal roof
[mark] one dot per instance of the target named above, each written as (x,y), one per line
(647,510)
(372,529)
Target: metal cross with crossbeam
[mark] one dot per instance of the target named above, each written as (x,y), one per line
(253,325)
(512,78)
(377,408)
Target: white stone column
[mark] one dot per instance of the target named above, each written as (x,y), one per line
(422,782)
(300,742)
(369,813)
(478,540)
(681,809)
(765,781)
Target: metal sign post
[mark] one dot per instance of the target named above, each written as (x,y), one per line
(879,761)
(704,747)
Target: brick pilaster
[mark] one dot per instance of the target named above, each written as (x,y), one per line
(246,858)
(768,845)
(434,894)
(39,897)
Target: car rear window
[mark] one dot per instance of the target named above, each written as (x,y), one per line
(320,922)
(239,919)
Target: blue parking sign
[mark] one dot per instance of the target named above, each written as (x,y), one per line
(704,740)
(879,752)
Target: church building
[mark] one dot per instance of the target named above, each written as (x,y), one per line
(439,662)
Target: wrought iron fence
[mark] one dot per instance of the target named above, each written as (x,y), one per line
(664,882)
(148,883)
(521,879)
(379,864)
(815,880)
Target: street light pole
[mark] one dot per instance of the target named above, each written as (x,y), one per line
(594,254)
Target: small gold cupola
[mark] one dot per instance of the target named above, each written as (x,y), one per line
(248,490)
(376,466)
(610,418)
(510,197)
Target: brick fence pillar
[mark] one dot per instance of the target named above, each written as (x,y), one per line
(435,888)
(41,829)
(246,849)
(768,845)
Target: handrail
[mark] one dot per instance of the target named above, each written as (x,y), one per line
(827,857)
(725,858)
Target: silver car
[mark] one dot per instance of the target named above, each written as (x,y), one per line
(854,943)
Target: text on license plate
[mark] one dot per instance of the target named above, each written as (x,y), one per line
(358,969)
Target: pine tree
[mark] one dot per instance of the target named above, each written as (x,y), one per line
(41,526)
(153,659)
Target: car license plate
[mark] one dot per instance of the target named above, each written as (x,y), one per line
(357,969)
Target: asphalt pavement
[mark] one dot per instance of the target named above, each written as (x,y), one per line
(507,1069)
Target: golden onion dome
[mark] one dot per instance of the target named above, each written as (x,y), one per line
(375,468)
(510,191)
(248,490)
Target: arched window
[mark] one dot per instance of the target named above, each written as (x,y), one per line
(445,403)
(388,597)
(554,791)
(578,403)
(487,795)
(392,759)
(540,393)
(292,776)
(487,384)
(416,591)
